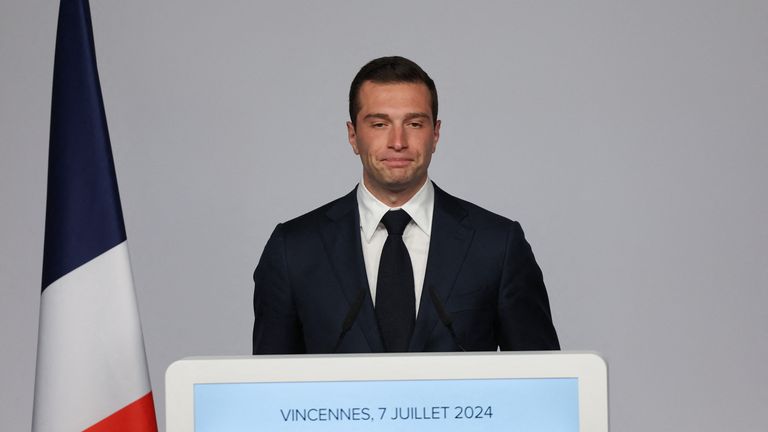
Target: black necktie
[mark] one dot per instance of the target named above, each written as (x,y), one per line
(395,298)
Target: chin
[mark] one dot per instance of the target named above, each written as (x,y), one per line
(401,184)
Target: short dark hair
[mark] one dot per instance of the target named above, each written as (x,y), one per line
(385,70)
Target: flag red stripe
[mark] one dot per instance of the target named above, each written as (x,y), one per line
(138,416)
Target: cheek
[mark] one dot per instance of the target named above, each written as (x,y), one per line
(426,149)
(370,159)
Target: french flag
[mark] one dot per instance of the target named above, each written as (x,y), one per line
(91,368)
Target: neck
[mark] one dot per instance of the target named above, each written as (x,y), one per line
(394,198)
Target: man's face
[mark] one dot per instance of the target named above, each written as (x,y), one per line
(395,137)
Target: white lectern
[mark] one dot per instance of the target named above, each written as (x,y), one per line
(493,391)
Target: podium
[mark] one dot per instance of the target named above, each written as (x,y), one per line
(446,392)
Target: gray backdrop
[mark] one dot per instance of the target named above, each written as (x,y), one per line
(629,139)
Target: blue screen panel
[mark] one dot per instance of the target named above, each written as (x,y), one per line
(509,405)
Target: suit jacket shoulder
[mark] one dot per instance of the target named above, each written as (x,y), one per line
(311,221)
(470,213)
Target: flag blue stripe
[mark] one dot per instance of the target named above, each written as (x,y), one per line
(83,213)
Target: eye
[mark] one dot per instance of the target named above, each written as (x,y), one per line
(378,125)
(415,124)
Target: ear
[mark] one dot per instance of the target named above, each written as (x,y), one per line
(436,136)
(352,137)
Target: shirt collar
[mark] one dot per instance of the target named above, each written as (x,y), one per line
(419,208)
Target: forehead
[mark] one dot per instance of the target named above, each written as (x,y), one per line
(394,97)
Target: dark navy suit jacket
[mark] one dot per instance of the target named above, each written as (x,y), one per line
(311,291)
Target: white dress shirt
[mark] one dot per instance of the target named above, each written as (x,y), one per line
(416,236)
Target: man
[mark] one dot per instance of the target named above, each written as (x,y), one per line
(398,264)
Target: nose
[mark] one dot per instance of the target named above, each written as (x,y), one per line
(398,139)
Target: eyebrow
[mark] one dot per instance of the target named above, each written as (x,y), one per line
(408,116)
(376,116)
(411,116)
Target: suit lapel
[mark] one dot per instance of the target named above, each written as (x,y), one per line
(448,245)
(341,239)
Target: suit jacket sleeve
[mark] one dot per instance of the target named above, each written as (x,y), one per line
(277,328)
(524,321)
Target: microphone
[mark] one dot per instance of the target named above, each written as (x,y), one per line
(346,325)
(443,315)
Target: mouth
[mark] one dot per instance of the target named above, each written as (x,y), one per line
(396,162)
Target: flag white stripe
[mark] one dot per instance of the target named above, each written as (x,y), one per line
(90,360)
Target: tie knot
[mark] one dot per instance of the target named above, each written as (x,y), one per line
(395,221)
